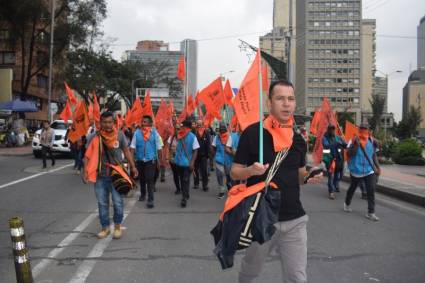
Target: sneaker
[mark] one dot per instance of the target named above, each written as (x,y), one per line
(142,198)
(103,233)
(347,208)
(372,216)
(149,204)
(117,231)
(337,190)
(195,187)
(220,195)
(331,196)
(183,203)
(177,192)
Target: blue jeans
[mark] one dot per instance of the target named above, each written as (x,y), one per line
(102,188)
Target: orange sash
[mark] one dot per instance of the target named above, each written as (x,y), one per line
(282,133)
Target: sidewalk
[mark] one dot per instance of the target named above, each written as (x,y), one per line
(403,182)
(16,151)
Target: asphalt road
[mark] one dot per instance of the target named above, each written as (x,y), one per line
(172,244)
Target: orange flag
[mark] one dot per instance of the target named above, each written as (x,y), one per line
(327,117)
(128,119)
(247,101)
(265,77)
(136,112)
(213,98)
(70,94)
(96,111)
(147,105)
(351,130)
(315,122)
(182,116)
(66,113)
(80,123)
(90,111)
(228,94)
(181,69)
(171,108)
(190,105)
(118,121)
(163,121)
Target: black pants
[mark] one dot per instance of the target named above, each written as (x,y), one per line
(201,171)
(44,151)
(147,178)
(176,177)
(370,183)
(184,178)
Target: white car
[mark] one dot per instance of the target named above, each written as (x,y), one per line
(60,145)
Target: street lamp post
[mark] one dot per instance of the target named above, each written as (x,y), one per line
(49,91)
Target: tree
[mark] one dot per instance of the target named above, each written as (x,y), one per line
(28,25)
(408,125)
(378,104)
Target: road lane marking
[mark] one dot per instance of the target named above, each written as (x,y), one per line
(87,266)
(34,176)
(62,245)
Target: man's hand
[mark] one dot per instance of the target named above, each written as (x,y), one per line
(85,177)
(258,169)
(378,171)
(191,166)
(134,171)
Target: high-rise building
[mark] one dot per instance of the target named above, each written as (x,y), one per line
(152,45)
(189,48)
(414,95)
(380,87)
(367,62)
(328,44)
(421,44)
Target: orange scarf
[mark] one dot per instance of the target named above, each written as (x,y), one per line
(146,132)
(183,132)
(224,137)
(364,137)
(109,138)
(201,131)
(282,133)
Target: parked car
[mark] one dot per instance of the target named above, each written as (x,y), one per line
(60,145)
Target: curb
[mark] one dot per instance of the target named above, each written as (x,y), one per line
(392,192)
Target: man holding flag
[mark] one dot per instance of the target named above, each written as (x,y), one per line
(290,237)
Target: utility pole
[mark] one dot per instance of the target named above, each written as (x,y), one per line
(52,30)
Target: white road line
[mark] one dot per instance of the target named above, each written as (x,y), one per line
(62,245)
(34,176)
(87,266)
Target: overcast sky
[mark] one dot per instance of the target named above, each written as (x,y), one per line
(129,21)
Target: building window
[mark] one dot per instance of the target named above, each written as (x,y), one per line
(4,34)
(42,81)
(8,58)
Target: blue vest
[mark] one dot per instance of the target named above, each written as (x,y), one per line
(235,140)
(184,154)
(358,163)
(221,157)
(146,150)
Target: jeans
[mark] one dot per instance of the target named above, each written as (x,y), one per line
(184,178)
(290,241)
(223,177)
(44,151)
(175,176)
(201,171)
(103,188)
(370,183)
(333,180)
(147,178)
(78,159)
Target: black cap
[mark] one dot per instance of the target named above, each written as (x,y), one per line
(331,127)
(187,123)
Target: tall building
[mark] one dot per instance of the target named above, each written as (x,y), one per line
(414,95)
(380,87)
(152,45)
(367,62)
(328,55)
(163,88)
(189,48)
(421,44)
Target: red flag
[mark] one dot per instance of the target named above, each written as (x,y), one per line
(213,98)
(247,101)
(228,94)
(181,69)
(265,77)
(70,94)
(80,123)
(66,113)
(147,105)
(96,111)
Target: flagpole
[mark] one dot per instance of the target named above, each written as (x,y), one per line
(260,80)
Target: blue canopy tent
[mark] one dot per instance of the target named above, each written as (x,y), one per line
(18,105)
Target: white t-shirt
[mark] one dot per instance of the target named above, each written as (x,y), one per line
(158,139)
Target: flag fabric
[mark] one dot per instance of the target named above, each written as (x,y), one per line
(213,98)
(228,94)
(208,119)
(265,77)
(90,111)
(80,123)
(136,112)
(96,111)
(182,116)
(351,130)
(190,105)
(315,122)
(181,69)
(147,105)
(71,96)
(163,121)
(118,121)
(171,107)
(66,113)
(247,100)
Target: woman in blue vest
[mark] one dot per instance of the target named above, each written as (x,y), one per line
(184,159)
(146,146)
(223,161)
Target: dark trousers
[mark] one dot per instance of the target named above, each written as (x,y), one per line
(44,151)
(201,171)
(147,178)
(176,176)
(370,183)
(184,178)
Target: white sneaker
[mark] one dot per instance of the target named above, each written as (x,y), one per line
(372,216)
(347,208)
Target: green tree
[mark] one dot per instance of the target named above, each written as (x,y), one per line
(408,126)
(377,104)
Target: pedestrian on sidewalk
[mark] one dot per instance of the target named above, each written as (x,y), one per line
(201,163)
(333,157)
(186,152)
(146,146)
(290,238)
(47,137)
(223,161)
(172,144)
(104,147)
(364,166)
